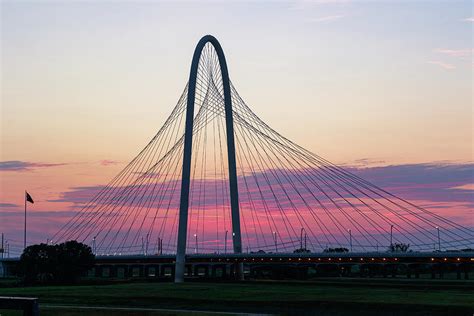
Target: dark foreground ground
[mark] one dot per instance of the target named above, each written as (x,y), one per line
(319,297)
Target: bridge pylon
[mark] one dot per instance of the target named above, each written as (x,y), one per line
(187,156)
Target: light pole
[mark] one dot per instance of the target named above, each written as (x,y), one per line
(305,238)
(159,246)
(93,245)
(225,241)
(196,241)
(275,240)
(146,244)
(2,247)
(439,239)
(233,239)
(391,235)
(301,237)
(350,238)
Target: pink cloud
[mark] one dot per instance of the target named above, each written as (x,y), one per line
(16,165)
(107,162)
(267,207)
(440,187)
(456,52)
(469,187)
(441,64)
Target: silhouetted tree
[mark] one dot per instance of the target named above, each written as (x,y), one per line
(301,250)
(398,247)
(260,251)
(341,249)
(62,263)
(36,263)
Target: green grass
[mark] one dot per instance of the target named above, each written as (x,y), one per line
(261,296)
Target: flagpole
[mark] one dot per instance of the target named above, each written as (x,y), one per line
(24,236)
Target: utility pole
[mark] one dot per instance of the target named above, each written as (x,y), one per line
(196,243)
(146,244)
(24,232)
(275,240)
(439,239)
(350,238)
(391,235)
(225,242)
(2,249)
(301,237)
(94,249)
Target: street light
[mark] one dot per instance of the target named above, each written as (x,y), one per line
(439,239)
(158,245)
(196,240)
(93,245)
(225,242)
(7,248)
(275,240)
(350,238)
(391,235)
(301,238)
(305,238)
(146,243)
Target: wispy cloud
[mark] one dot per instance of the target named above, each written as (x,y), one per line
(469,187)
(107,162)
(16,165)
(305,4)
(440,187)
(8,205)
(328,18)
(455,52)
(436,182)
(364,162)
(471,19)
(441,64)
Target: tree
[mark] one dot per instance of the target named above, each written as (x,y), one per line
(301,250)
(341,249)
(398,247)
(260,251)
(62,263)
(36,264)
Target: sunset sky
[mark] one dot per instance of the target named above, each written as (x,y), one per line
(383,88)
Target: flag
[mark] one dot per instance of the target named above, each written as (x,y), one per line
(29,198)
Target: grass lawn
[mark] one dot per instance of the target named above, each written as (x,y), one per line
(265,296)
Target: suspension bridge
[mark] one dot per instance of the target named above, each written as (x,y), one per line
(217,184)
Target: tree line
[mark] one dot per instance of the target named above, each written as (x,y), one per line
(59,263)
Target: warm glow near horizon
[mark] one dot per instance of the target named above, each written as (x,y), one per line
(86,85)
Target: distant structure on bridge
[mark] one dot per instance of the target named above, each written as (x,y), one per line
(216,175)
